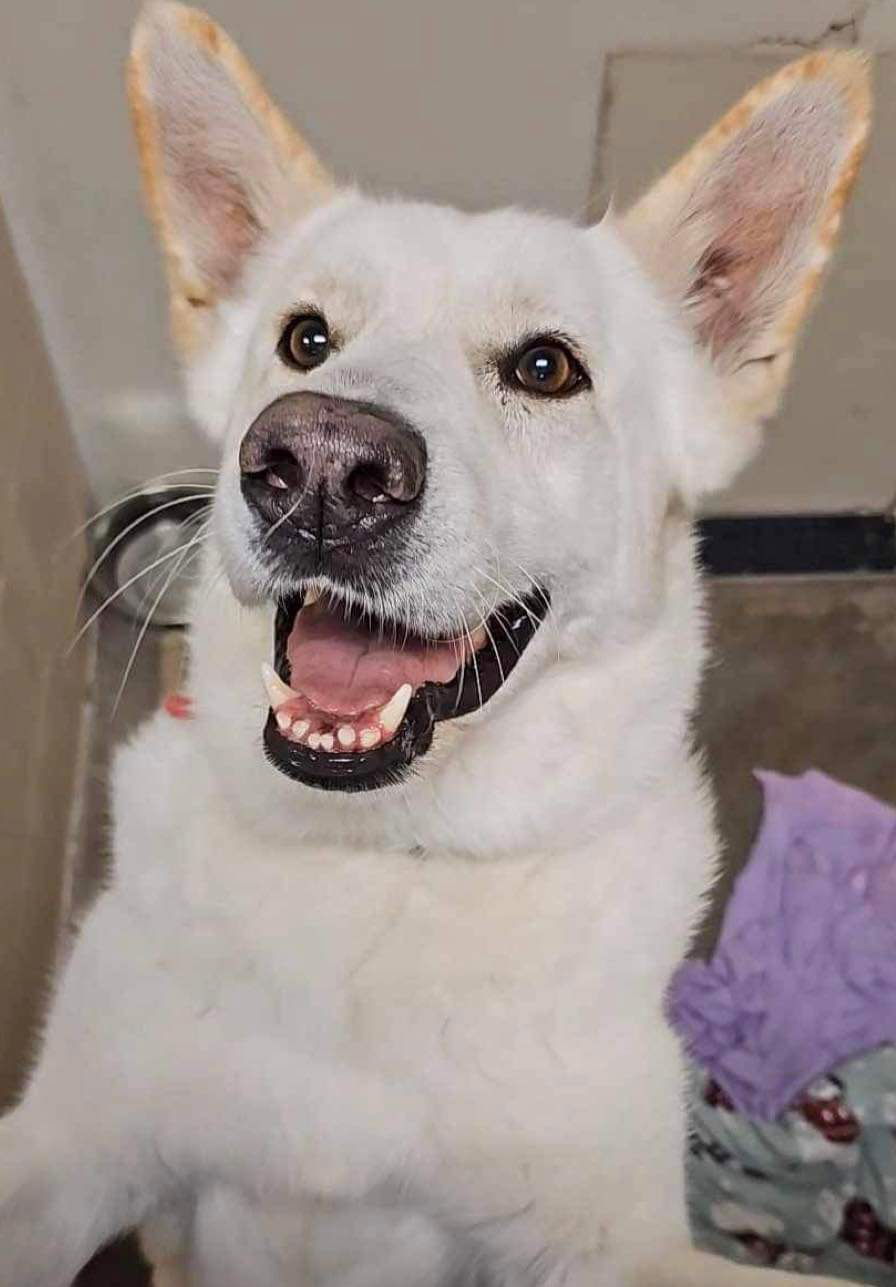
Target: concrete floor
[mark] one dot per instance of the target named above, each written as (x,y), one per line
(804,674)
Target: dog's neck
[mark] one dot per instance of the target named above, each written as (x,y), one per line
(576,747)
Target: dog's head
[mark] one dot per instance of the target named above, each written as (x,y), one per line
(458,450)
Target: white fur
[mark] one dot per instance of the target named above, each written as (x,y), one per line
(415,1036)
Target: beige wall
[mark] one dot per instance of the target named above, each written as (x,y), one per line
(475,101)
(41,692)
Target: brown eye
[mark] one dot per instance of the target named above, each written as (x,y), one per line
(549,369)
(305,342)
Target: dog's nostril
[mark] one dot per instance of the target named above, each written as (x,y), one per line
(392,475)
(281,471)
(375,483)
(370,482)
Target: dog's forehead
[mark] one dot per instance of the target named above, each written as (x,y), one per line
(418,256)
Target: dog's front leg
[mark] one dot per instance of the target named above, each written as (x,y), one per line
(77,1158)
(65,1189)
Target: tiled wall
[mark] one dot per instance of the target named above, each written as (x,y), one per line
(41,691)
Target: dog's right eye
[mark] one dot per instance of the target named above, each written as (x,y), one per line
(546,367)
(305,342)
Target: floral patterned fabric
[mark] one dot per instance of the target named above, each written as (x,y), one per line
(813,1191)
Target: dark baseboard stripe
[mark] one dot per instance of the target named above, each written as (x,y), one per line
(798,544)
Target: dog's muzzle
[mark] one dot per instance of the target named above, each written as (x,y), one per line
(335,487)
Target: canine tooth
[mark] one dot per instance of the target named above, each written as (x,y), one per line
(277,691)
(393,712)
(327,741)
(300,727)
(314,741)
(283,720)
(345,735)
(369,738)
(478,637)
(311,596)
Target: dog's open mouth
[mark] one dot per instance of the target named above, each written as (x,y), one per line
(354,701)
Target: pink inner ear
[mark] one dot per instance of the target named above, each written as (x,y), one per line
(218,162)
(733,269)
(759,204)
(224,228)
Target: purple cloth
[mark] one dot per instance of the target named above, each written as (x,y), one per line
(805,971)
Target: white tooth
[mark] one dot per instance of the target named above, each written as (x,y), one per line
(478,637)
(327,741)
(311,596)
(314,741)
(300,726)
(393,712)
(369,738)
(277,691)
(346,735)
(283,720)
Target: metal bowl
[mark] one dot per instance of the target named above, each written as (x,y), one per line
(140,557)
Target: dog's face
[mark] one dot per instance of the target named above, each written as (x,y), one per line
(452,443)
(426,430)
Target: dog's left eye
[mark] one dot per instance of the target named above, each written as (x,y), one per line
(305,342)
(547,368)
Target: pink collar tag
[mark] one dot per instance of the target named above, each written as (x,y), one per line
(179,706)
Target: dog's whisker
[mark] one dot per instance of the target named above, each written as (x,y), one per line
(188,553)
(494,646)
(283,518)
(541,592)
(501,622)
(156,484)
(214,577)
(195,521)
(461,673)
(534,581)
(510,639)
(514,596)
(473,656)
(122,535)
(121,589)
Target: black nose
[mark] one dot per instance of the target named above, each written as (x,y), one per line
(336,472)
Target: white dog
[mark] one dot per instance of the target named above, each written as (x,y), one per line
(375,995)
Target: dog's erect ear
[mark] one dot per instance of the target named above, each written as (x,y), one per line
(221,165)
(739,230)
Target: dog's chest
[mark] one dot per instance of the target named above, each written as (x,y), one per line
(464,988)
(384,958)
(462,1005)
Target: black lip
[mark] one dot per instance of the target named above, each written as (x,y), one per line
(511,627)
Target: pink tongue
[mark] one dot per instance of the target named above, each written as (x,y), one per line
(344,667)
